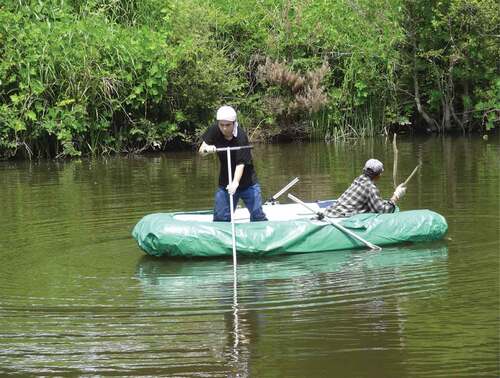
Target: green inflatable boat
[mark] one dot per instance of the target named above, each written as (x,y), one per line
(289,230)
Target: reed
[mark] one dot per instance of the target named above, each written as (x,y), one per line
(359,123)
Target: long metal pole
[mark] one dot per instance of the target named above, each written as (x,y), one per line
(222,149)
(235,277)
(231,208)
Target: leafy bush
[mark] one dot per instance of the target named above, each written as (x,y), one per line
(73,84)
(104,76)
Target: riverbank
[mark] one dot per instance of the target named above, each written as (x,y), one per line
(101,77)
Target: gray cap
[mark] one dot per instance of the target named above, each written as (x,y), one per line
(373,167)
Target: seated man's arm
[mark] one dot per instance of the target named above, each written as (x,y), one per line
(377,204)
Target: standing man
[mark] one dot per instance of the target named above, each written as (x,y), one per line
(226,133)
(363,196)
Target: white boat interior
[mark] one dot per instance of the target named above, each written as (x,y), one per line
(274,212)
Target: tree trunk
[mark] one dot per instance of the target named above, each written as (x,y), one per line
(431,122)
(446,113)
(449,96)
(466,106)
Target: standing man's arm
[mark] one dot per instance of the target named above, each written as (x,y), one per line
(238,172)
(206,148)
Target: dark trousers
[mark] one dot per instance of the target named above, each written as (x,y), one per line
(251,196)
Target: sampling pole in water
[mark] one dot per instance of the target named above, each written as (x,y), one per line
(233,237)
(231,200)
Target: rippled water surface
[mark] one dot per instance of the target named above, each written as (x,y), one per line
(77,296)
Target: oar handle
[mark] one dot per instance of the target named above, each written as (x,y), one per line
(224,149)
(288,186)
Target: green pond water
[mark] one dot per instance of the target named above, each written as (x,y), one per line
(78,297)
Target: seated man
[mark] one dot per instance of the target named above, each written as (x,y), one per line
(363,196)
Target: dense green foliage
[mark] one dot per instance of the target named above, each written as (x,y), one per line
(106,76)
(453,49)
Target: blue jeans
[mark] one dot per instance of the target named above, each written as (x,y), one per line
(251,196)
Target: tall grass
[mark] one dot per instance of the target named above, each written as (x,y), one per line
(359,123)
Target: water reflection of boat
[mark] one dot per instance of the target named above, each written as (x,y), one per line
(181,277)
(288,231)
(354,282)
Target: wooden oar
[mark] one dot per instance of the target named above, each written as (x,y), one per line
(336,225)
(395,167)
(411,175)
(395,163)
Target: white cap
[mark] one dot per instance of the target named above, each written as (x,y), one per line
(375,166)
(226,113)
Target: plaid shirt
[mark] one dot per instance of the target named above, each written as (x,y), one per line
(361,197)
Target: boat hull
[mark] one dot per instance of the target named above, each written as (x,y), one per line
(194,235)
